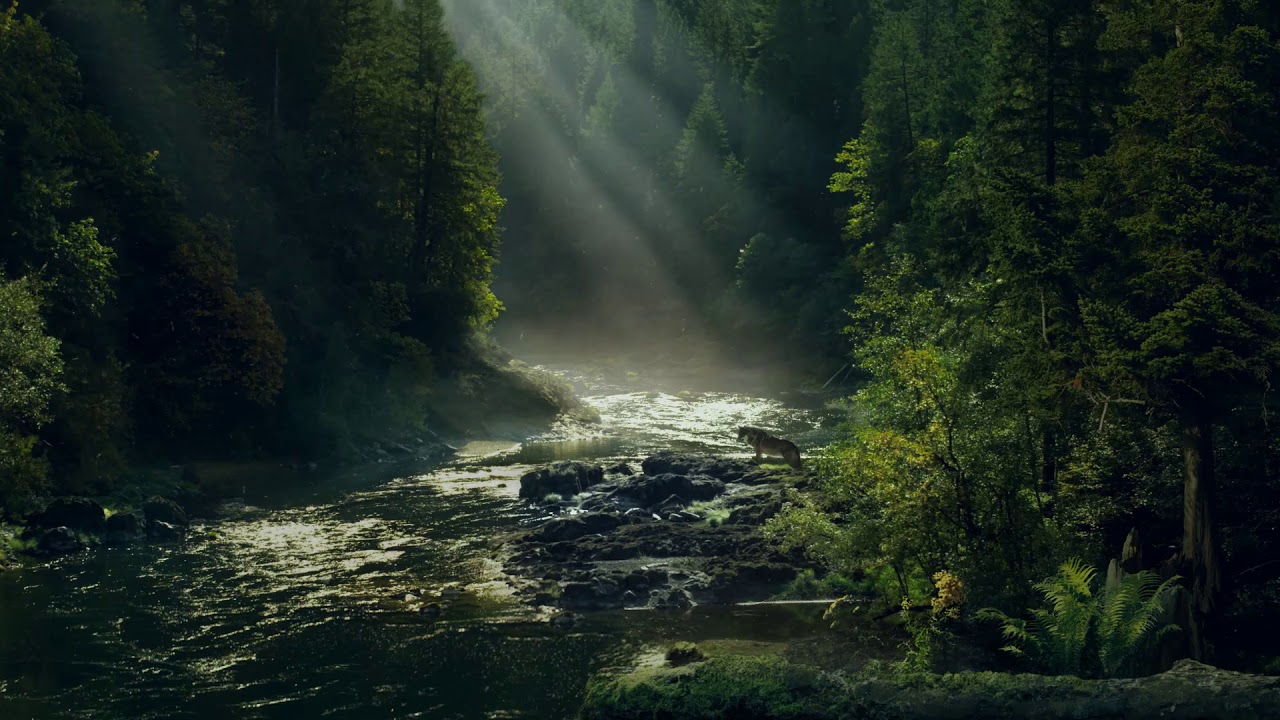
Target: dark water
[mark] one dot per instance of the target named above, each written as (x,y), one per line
(293,604)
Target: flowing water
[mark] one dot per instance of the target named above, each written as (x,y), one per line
(293,603)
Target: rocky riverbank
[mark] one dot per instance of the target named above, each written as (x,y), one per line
(490,395)
(678,530)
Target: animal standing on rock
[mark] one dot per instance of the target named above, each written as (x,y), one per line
(762,442)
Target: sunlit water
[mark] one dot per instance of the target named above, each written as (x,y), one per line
(293,605)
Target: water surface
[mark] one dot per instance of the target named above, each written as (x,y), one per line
(304,602)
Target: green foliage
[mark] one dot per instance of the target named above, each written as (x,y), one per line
(919,484)
(1085,633)
(30,366)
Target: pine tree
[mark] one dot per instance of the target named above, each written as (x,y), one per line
(1178,299)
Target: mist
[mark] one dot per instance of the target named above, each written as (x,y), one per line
(639,161)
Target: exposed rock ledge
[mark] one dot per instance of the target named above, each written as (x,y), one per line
(684,530)
(765,688)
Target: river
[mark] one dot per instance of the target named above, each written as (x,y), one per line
(293,604)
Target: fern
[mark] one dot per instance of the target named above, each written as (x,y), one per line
(1129,620)
(1081,632)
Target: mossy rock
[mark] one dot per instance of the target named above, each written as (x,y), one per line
(769,688)
(683,653)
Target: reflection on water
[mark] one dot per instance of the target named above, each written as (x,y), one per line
(307,602)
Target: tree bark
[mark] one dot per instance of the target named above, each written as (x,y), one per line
(1200,552)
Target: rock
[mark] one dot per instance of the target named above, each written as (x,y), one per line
(563,478)
(122,527)
(638,581)
(161,530)
(629,597)
(452,592)
(723,469)
(753,507)
(578,594)
(600,522)
(673,503)
(638,514)
(59,541)
(607,589)
(670,598)
(736,581)
(683,653)
(432,610)
(76,513)
(559,530)
(563,619)
(598,503)
(620,469)
(158,509)
(683,517)
(563,529)
(649,490)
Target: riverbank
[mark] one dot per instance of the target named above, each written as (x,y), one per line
(490,395)
(770,688)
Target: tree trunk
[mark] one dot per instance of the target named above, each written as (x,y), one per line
(275,99)
(1200,553)
(1050,108)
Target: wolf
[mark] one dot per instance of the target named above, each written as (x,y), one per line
(762,442)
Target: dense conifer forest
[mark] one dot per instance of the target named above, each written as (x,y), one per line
(1038,241)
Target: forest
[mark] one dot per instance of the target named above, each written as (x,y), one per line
(1040,239)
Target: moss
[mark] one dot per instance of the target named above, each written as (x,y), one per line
(713,511)
(731,686)
(769,688)
(683,653)
(13,544)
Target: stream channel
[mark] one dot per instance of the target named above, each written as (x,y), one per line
(291,604)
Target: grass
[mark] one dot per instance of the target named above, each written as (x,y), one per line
(713,511)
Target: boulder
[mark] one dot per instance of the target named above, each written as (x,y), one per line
(753,507)
(670,598)
(59,541)
(597,523)
(161,530)
(158,509)
(123,527)
(650,490)
(620,469)
(683,653)
(563,478)
(559,530)
(76,513)
(675,463)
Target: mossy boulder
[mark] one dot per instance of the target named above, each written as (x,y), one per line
(159,509)
(769,688)
(77,513)
(563,478)
(683,653)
